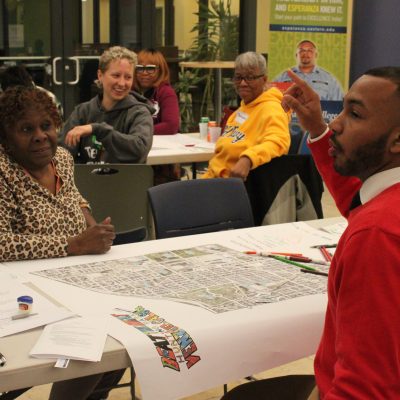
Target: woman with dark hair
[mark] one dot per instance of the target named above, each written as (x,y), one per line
(152,81)
(42,214)
(17,75)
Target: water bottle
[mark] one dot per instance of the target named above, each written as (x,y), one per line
(203,128)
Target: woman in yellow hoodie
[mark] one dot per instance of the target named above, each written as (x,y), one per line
(258,130)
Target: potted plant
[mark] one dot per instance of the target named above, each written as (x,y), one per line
(217,40)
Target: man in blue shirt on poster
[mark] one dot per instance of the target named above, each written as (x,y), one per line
(326,85)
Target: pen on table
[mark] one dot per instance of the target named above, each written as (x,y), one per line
(278,253)
(325,253)
(292,257)
(304,259)
(3,360)
(21,316)
(327,246)
(293,263)
(314,272)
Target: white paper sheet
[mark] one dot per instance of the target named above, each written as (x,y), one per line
(45,311)
(296,237)
(336,229)
(80,338)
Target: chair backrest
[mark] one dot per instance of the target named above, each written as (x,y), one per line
(118,191)
(296,137)
(199,206)
(303,147)
(287,189)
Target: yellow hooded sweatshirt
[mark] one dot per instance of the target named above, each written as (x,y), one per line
(258,130)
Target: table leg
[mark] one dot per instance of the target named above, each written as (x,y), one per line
(194,173)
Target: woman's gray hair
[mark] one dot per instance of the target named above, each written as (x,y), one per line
(251,60)
(115,53)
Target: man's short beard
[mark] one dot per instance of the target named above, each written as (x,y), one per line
(366,158)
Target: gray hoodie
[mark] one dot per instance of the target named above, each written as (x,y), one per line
(123,134)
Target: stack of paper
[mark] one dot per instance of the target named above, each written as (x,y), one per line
(75,339)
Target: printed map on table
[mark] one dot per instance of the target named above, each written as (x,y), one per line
(210,276)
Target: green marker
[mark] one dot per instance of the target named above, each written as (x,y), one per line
(293,263)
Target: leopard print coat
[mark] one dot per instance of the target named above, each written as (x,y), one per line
(34,223)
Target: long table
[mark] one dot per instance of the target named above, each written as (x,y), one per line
(179,148)
(274,343)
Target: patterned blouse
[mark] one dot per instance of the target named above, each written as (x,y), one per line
(34,223)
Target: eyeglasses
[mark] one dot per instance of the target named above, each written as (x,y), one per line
(150,69)
(247,79)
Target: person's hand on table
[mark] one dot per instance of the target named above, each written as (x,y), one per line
(241,169)
(74,136)
(96,239)
(305,102)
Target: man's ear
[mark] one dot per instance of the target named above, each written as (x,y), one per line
(395,144)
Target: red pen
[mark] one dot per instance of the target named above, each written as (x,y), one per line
(325,253)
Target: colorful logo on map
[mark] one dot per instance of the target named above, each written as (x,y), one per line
(174,345)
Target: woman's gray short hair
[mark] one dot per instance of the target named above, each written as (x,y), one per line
(251,60)
(115,53)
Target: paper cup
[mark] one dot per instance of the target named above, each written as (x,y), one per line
(215,133)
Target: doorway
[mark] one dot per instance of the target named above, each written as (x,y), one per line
(60,41)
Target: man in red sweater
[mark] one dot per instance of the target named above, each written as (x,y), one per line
(359,353)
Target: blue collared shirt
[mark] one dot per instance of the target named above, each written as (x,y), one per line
(326,85)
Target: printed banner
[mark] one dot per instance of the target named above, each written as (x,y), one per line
(173,344)
(310,37)
(324,22)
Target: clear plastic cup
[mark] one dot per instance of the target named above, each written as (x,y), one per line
(203,129)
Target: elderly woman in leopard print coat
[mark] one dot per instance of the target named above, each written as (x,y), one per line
(42,214)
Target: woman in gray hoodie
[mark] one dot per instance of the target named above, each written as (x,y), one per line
(115,126)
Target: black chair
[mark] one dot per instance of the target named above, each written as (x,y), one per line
(296,138)
(119,191)
(287,189)
(199,206)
